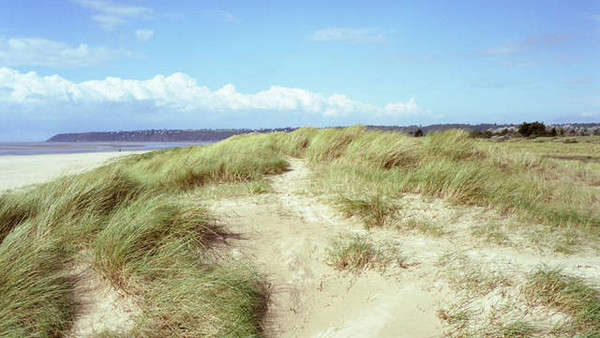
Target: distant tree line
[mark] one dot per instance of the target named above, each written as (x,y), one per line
(537,129)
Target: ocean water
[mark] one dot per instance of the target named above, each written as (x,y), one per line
(37,148)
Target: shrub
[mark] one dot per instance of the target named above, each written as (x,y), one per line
(532,129)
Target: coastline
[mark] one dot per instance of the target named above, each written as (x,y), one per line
(18,171)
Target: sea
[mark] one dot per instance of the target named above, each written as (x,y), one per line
(39,148)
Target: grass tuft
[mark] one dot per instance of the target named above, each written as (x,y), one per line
(550,287)
(374,211)
(357,253)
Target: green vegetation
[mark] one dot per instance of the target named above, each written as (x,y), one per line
(424,226)
(149,240)
(357,253)
(374,211)
(353,161)
(150,236)
(568,294)
(515,329)
(35,294)
(533,129)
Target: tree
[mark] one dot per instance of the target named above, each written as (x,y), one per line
(532,129)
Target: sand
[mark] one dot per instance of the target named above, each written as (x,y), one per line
(285,234)
(20,171)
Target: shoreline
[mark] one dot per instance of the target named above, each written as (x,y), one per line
(19,171)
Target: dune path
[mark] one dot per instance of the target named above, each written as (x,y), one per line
(286,235)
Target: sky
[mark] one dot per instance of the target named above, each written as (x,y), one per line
(99,65)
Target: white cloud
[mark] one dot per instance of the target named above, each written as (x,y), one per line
(144,34)
(110,15)
(42,52)
(221,16)
(354,35)
(180,97)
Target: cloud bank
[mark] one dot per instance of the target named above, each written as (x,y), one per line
(178,101)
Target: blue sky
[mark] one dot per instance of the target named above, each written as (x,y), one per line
(82,65)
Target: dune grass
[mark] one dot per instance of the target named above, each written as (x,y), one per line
(569,294)
(156,249)
(155,244)
(374,211)
(357,253)
(35,292)
(357,165)
(148,238)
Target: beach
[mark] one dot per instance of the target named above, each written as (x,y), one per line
(20,171)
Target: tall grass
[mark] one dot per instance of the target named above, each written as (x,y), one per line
(450,165)
(35,291)
(156,249)
(151,243)
(147,241)
(241,158)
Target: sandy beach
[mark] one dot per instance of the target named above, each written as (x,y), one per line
(20,171)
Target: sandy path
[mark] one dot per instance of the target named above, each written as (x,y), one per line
(286,233)
(19,171)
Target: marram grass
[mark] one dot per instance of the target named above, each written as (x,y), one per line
(155,244)
(354,162)
(149,240)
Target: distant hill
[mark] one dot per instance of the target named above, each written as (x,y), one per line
(197,135)
(158,135)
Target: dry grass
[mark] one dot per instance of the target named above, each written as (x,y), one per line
(474,277)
